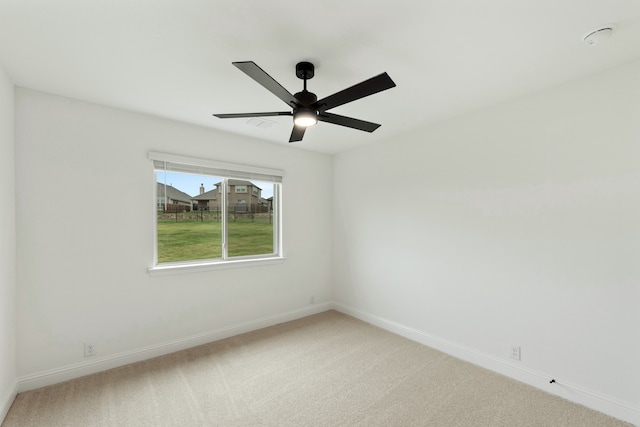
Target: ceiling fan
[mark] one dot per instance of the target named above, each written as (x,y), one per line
(307,109)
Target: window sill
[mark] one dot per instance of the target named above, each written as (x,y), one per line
(183,268)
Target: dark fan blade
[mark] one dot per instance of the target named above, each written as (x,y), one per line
(297,133)
(238,115)
(349,122)
(368,87)
(259,75)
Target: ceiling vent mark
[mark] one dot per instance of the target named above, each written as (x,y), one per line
(259,123)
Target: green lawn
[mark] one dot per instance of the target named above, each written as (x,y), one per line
(193,240)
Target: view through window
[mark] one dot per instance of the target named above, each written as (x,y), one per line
(209,213)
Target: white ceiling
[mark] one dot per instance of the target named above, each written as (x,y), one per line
(172,58)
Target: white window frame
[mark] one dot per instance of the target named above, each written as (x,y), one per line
(226,171)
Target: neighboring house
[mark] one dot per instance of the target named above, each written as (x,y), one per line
(242,196)
(206,200)
(171,199)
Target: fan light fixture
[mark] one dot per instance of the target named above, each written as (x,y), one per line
(305,118)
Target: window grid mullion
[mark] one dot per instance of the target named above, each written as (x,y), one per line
(225,210)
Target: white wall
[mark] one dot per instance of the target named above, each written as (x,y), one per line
(7,247)
(517,224)
(85,235)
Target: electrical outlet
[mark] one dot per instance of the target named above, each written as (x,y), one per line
(514,352)
(89,349)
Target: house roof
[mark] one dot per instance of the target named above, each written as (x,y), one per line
(173,193)
(239,182)
(209,195)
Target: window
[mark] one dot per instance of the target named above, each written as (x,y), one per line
(230,232)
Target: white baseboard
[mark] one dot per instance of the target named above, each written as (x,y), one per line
(99,364)
(575,393)
(7,401)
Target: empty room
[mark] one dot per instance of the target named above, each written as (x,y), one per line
(226,213)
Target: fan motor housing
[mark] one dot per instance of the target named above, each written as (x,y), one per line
(305,97)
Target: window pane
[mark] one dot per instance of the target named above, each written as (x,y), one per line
(250,218)
(189,217)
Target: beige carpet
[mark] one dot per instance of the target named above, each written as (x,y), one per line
(324,370)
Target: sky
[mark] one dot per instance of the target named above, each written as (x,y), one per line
(190,184)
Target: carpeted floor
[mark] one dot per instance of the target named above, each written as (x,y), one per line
(323,370)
